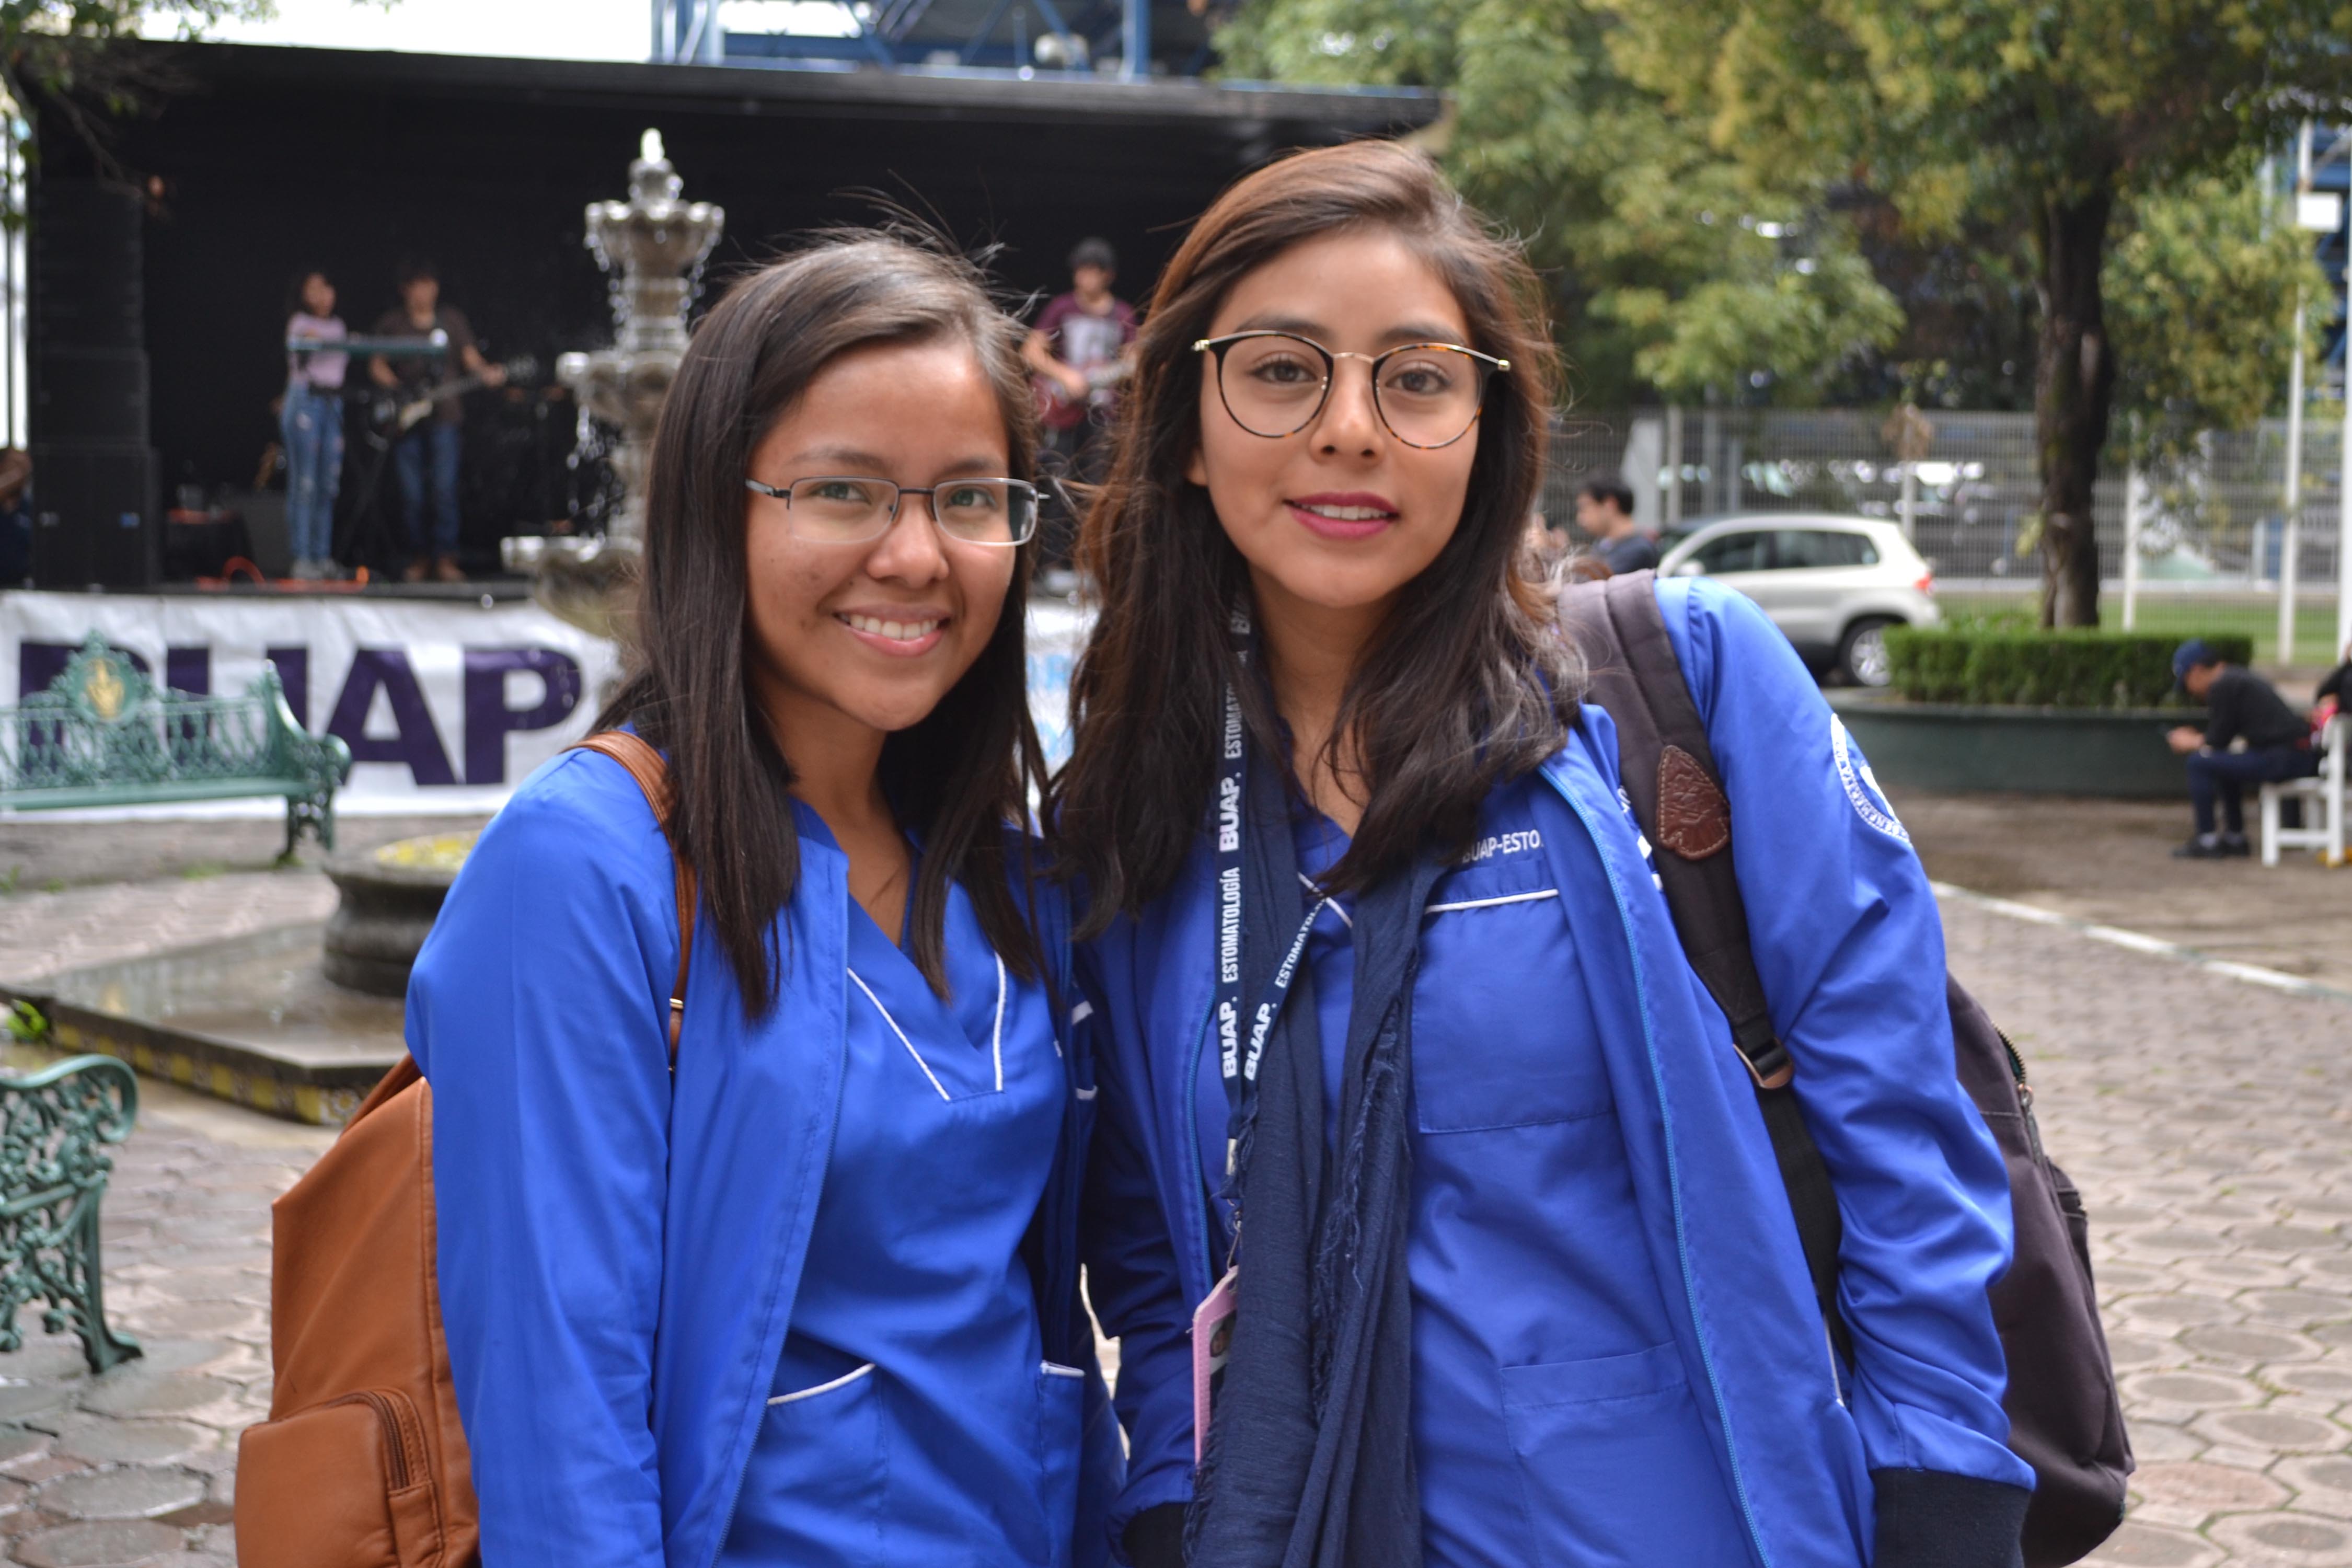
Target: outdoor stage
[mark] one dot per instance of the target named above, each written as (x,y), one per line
(485,165)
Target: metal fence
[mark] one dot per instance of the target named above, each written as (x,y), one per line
(2211,529)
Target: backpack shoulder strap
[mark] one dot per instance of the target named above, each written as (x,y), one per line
(646,766)
(1669,773)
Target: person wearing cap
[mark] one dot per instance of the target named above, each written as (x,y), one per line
(1079,351)
(2240,707)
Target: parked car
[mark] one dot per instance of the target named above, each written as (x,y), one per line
(1831,584)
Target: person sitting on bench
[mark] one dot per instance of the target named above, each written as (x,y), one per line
(2334,696)
(2238,706)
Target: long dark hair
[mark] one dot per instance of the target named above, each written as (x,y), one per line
(295,304)
(1467,683)
(961,778)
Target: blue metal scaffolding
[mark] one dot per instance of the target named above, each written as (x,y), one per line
(1028,37)
(2310,183)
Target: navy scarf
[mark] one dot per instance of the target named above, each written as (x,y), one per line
(1309,1460)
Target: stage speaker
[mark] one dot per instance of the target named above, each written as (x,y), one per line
(83,395)
(86,254)
(96,521)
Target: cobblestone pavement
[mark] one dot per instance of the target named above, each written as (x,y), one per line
(138,1466)
(2209,1123)
(43,935)
(40,854)
(2206,1119)
(216,881)
(2110,862)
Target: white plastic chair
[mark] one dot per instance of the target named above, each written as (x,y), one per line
(2323,800)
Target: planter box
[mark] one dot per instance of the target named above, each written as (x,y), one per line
(2027,751)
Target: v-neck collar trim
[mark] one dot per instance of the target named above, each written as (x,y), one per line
(996,1036)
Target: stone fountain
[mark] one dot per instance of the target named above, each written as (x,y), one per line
(301,1020)
(652,247)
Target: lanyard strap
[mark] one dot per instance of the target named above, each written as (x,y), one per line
(1236,1067)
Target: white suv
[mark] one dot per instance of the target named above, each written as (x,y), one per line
(1833,585)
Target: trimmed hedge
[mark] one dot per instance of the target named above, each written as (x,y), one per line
(2042,669)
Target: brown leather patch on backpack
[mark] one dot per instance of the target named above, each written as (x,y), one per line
(1694,819)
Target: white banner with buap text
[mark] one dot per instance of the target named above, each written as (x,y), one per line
(446,704)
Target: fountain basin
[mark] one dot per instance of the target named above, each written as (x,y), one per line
(253,1020)
(391,897)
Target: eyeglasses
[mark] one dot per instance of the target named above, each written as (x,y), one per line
(1275,384)
(835,509)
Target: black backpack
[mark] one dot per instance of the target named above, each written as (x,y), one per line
(2064,1418)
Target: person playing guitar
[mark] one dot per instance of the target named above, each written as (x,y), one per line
(1080,350)
(426,455)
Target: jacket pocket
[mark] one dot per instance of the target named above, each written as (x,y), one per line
(1481,1060)
(1061,1438)
(343,1482)
(818,1391)
(1616,1467)
(814,1489)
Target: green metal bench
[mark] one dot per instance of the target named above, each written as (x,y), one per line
(55,1125)
(101,734)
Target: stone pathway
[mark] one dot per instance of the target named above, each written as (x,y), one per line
(2209,1122)
(2110,862)
(73,894)
(43,935)
(138,1466)
(40,853)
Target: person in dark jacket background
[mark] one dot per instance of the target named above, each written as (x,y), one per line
(2238,706)
(1604,508)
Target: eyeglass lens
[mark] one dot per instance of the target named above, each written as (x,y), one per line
(981,512)
(1274,385)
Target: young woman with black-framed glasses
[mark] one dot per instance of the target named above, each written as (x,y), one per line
(1431,1202)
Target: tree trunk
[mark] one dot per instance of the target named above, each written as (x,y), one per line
(2074,394)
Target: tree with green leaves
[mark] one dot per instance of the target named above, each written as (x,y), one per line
(2055,118)
(1675,265)
(2201,291)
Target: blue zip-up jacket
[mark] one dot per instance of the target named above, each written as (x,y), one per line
(618,1248)
(1850,948)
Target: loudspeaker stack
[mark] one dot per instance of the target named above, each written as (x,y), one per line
(96,491)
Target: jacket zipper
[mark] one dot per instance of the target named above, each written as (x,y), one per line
(2024,1095)
(1673,1174)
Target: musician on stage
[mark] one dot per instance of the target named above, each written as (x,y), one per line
(311,421)
(1079,349)
(431,450)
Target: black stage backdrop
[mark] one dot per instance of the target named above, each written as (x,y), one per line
(260,162)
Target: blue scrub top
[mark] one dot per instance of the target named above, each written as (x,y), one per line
(1548,1391)
(915,1418)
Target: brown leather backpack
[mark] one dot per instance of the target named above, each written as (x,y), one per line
(362,1462)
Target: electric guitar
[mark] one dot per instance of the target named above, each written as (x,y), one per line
(395,413)
(1057,397)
